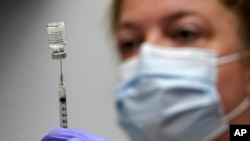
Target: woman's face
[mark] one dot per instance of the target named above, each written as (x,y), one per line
(193,23)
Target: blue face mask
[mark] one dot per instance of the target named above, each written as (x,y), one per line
(170,94)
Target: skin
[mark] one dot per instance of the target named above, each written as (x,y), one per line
(197,23)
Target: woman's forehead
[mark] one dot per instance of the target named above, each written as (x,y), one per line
(143,10)
(150,12)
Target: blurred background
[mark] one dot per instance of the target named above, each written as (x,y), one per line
(29,78)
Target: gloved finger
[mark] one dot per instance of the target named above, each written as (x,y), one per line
(74,139)
(74,133)
(62,134)
(58,134)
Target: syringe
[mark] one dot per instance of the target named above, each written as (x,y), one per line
(56,34)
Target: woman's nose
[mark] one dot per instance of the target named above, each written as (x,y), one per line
(155,36)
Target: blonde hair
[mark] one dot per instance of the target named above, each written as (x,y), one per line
(115,14)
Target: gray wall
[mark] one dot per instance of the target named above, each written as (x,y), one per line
(29,77)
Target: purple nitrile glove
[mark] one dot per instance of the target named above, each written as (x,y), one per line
(66,134)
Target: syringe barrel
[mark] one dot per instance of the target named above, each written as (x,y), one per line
(63,106)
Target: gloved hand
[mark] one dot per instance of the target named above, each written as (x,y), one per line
(65,134)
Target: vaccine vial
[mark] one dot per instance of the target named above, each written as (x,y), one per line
(56,36)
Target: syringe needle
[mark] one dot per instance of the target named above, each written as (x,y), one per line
(61,65)
(61,76)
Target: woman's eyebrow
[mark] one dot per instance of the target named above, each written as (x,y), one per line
(173,17)
(128,25)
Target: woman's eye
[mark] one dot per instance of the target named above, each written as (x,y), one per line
(186,35)
(128,46)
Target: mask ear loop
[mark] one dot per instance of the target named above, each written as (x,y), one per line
(229,59)
(246,103)
(233,58)
(233,114)
(238,110)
